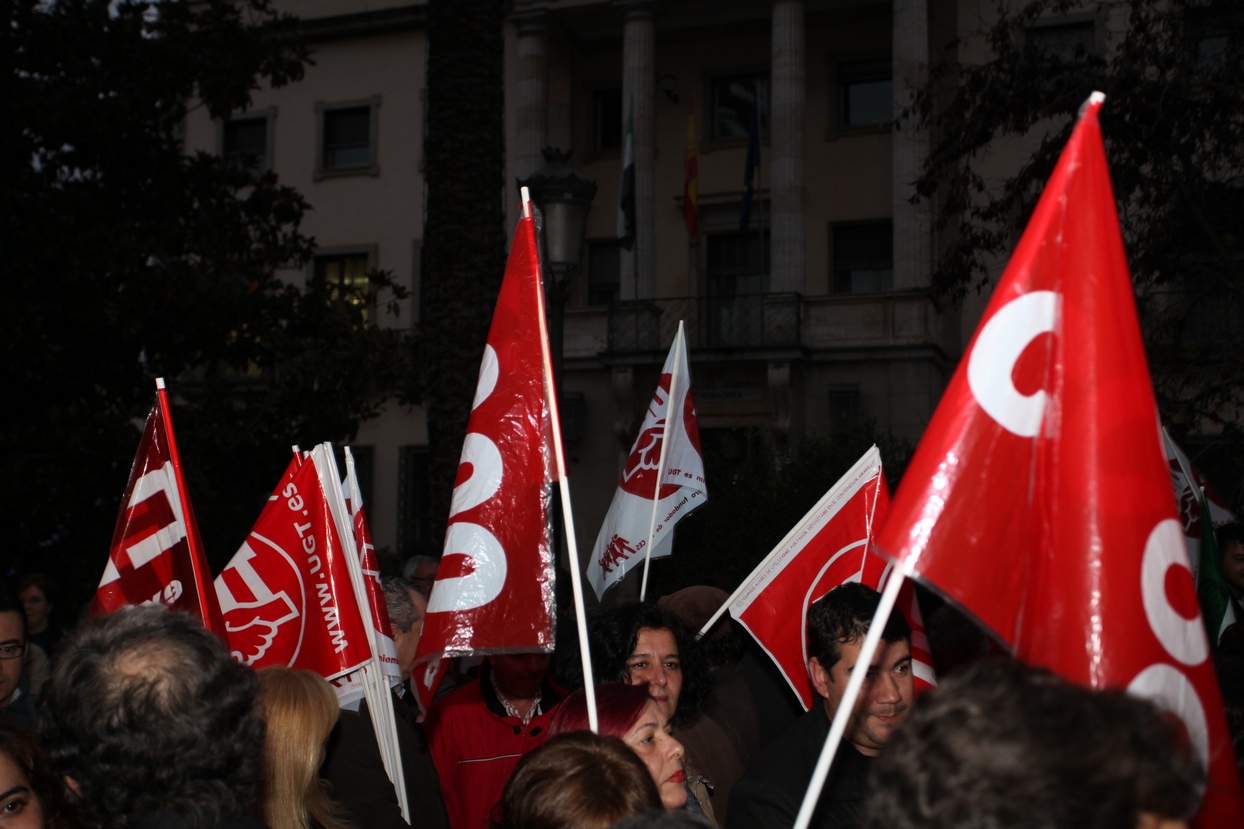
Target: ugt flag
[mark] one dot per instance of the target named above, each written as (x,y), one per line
(1039,498)
(629,530)
(830,546)
(156,556)
(286,595)
(494,587)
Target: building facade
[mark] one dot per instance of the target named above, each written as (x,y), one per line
(815,314)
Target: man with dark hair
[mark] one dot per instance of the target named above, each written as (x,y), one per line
(352,761)
(1003,744)
(770,795)
(152,723)
(17,707)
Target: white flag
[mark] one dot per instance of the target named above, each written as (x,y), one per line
(640,517)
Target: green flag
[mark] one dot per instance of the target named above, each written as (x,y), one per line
(1211,587)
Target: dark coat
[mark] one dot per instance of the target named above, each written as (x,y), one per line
(770,794)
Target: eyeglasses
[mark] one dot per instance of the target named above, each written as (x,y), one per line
(9,651)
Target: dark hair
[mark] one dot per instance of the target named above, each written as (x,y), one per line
(398,602)
(618,706)
(614,634)
(843,615)
(666,819)
(1004,744)
(49,788)
(579,780)
(1229,534)
(40,580)
(10,604)
(145,710)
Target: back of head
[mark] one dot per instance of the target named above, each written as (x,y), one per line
(579,780)
(299,709)
(145,710)
(398,603)
(1000,744)
(843,615)
(618,706)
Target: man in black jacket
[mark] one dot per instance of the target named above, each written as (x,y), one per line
(770,794)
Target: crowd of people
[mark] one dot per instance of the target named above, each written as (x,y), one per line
(142,720)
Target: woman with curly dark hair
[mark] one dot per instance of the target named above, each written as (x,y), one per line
(647,644)
(31,797)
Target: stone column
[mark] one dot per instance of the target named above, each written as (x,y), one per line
(530,93)
(560,93)
(786,132)
(913,242)
(638,94)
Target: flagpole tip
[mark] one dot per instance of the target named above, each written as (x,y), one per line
(159,384)
(1095,100)
(525,197)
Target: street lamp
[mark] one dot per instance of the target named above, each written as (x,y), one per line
(564,198)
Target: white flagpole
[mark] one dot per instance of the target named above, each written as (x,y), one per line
(375,688)
(563,486)
(665,445)
(786,540)
(839,726)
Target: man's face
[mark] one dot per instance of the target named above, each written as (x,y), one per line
(519,676)
(407,642)
(1233,568)
(12,642)
(884,698)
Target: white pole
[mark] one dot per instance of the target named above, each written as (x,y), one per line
(839,726)
(665,445)
(563,486)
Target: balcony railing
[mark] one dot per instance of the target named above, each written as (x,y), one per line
(739,321)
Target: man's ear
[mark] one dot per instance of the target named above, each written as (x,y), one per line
(73,785)
(820,677)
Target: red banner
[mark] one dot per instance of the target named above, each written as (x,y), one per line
(494,588)
(286,596)
(156,556)
(829,547)
(1040,497)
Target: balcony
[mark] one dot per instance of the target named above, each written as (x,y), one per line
(750,321)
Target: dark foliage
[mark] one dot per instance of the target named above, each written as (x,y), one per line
(130,259)
(465,240)
(1173,122)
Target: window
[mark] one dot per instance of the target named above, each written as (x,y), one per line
(864,93)
(245,143)
(1067,43)
(863,258)
(607,122)
(414,514)
(844,406)
(738,277)
(347,139)
(343,278)
(733,99)
(604,272)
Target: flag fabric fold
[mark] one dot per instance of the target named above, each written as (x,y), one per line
(830,546)
(670,425)
(287,596)
(156,556)
(494,588)
(1039,498)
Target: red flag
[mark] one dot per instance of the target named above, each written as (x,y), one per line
(494,588)
(828,547)
(156,556)
(286,596)
(1040,499)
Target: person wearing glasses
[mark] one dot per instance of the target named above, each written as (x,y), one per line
(16,706)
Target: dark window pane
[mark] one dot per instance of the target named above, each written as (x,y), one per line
(863,258)
(246,143)
(738,277)
(733,97)
(347,137)
(844,406)
(604,271)
(607,121)
(344,279)
(864,93)
(414,518)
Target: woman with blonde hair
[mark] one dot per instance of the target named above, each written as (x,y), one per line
(300,709)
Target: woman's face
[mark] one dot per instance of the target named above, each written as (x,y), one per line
(19,808)
(656,662)
(37,608)
(650,738)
